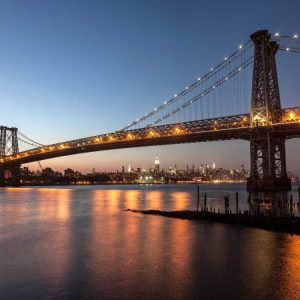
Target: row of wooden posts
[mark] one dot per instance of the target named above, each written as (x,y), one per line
(226,200)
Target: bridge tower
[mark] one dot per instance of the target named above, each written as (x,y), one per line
(9,146)
(267,151)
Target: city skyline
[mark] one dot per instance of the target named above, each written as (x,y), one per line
(156,163)
(96,78)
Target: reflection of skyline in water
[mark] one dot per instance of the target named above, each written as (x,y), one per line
(59,242)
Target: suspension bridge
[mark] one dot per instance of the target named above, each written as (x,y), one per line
(237,99)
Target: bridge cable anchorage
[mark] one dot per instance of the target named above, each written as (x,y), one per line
(30,141)
(201,81)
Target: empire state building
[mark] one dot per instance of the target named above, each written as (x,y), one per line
(156,164)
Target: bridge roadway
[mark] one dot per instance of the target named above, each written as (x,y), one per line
(224,128)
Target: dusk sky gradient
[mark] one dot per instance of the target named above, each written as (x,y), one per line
(71,69)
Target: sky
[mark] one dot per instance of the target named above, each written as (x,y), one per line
(71,69)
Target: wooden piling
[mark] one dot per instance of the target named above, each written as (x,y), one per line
(198,197)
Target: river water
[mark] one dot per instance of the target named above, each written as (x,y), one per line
(79,242)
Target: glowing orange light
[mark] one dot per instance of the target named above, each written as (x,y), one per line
(292,116)
(178,130)
(130,136)
(151,133)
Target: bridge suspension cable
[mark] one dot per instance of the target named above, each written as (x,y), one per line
(28,140)
(207,90)
(287,42)
(289,49)
(200,86)
(285,37)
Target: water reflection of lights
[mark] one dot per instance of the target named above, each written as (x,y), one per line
(290,267)
(132,199)
(154,200)
(54,203)
(40,219)
(180,200)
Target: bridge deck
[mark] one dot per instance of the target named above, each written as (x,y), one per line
(225,128)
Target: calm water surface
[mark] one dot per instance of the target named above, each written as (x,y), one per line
(78,242)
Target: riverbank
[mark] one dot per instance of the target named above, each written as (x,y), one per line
(279,224)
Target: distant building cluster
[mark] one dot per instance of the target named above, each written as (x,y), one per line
(203,173)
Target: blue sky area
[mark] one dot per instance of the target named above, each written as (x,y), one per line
(70,69)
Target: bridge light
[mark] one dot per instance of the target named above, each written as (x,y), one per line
(211,69)
(151,133)
(226,78)
(225,58)
(165,102)
(177,130)
(277,34)
(292,116)
(239,68)
(287,49)
(186,87)
(199,78)
(260,119)
(240,46)
(175,95)
(295,36)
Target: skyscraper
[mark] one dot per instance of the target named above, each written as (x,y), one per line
(156,164)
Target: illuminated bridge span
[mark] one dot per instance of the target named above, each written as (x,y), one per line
(215,107)
(225,128)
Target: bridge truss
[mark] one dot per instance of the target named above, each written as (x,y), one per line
(214,107)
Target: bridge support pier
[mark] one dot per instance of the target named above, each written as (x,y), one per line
(10,177)
(267,151)
(268,162)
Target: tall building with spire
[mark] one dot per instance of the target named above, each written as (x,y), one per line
(156,164)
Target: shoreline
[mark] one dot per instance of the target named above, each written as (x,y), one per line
(278,224)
